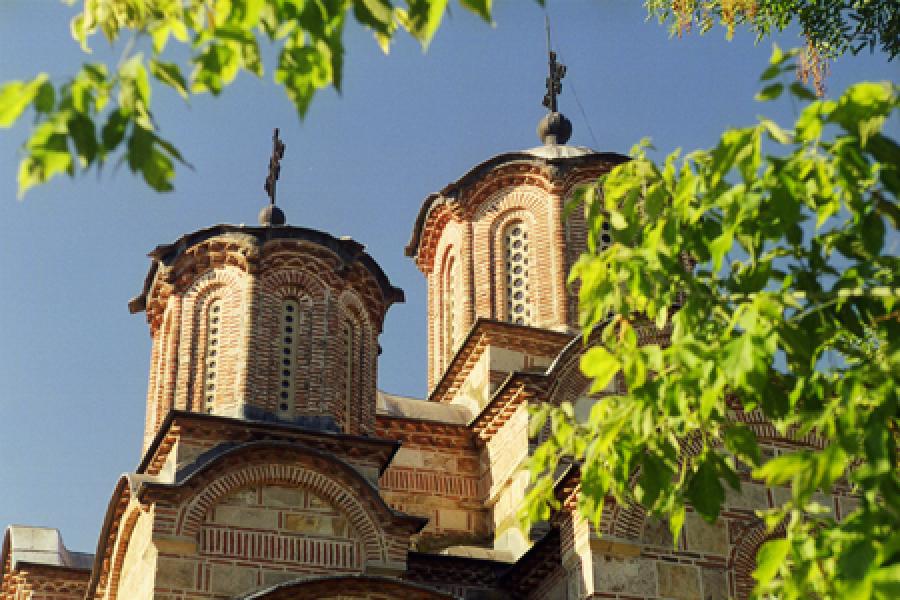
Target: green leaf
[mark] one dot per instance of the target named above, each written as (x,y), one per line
(769,559)
(15,97)
(377,14)
(482,8)
(741,442)
(799,90)
(770,92)
(886,582)
(775,132)
(114,130)
(601,366)
(45,99)
(169,73)
(738,358)
(676,523)
(855,561)
(655,477)
(48,156)
(158,171)
(782,469)
(424,17)
(705,491)
(84,135)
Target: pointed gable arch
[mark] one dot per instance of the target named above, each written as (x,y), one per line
(349,588)
(383,533)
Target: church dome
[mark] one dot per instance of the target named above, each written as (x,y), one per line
(273,323)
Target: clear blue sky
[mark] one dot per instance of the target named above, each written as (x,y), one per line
(73,361)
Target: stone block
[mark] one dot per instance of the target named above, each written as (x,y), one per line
(439,462)
(503,359)
(313,502)
(248,497)
(244,516)
(317,525)
(632,576)
(453,519)
(780,495)
(704,537)
(408,457)
(681,582)
(283,496)
(275,577)
(825,500)
(715,586)
(848,505)
(752,496)
(656,532)
(232,580)
(176,573)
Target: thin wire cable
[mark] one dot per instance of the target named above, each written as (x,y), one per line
(571,83)
(581,108)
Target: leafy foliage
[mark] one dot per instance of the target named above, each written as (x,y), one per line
(833,26)
(769,262)
(103,111)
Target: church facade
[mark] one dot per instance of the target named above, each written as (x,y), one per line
(273,468)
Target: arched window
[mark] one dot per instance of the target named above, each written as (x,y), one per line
(211,355)
(290,315)
(516,253)
(451,281)
(349,334)
(605,235)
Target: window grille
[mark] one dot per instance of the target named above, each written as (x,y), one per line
(518,301)
(450,309)
(350,366)
(290,315)
(213,339)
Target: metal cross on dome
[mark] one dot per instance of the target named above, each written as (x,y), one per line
(274,166)
(554,81)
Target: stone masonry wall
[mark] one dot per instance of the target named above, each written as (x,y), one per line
(435,474)
(503,483)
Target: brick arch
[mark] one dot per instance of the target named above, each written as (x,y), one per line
(360,587)
(742,560)
(306,469)
(432,233)
(359,416)
(226,283)
(449,254)
(501,222)
(112,542)
(533,206)
(123,540)
(527,197)
(352,306)
(513,177)
(297,280)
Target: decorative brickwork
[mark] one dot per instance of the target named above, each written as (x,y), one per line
(268,475)
(459,576)
(43,582)
(436,474)
(474,217)
(224,344)
(351,588)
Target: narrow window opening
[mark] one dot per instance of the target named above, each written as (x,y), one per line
(516,250)
(350,370)
(450,333)
(213,317)
(286,398)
